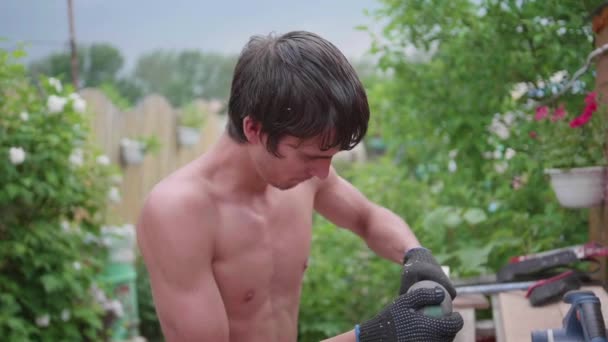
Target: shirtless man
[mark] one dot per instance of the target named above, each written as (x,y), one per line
(227,237)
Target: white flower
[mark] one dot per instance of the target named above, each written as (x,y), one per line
(500,129)
(89,238)
(115,306)
(79,105)
(452,167)
(114,195)
(65,315)
(453,153)
(509,153)
(500,167)
(487,155)
(77,158)
(437,187)
(55,103)
(77,266)
(65,226)
(24,116)
(16,155)
(103,160)
(98,294)
(43,321)
(508,118)
(497,154)
(56,84)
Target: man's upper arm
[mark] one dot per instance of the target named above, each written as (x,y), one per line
(342,203)
(176,240)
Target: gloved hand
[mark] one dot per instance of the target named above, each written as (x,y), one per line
(401,322)
(419,264)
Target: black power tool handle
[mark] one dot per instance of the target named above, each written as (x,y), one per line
(590,315)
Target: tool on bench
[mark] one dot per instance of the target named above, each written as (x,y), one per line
(541,274)
(583,322)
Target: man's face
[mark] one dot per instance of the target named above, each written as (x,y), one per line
(300,161)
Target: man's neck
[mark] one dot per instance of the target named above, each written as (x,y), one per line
(230,164)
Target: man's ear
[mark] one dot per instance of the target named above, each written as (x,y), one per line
(252,130)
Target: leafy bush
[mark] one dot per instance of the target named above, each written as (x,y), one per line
(53,199)
(192,116)
(115,96)
(149,326)
(345,283)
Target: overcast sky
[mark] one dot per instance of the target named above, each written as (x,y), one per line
(138,26)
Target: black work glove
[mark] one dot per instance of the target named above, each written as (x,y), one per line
(419,264)
(401,322)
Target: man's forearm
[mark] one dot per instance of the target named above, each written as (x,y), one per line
(388,235)
(346,337)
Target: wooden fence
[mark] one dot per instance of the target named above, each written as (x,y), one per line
(154,116)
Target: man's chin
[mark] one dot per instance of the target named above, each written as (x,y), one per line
(287,186)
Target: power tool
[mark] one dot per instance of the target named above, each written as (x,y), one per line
(583,322)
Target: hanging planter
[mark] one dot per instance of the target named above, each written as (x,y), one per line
(581,187)
(188,136)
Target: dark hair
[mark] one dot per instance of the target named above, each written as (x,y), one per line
(298,84)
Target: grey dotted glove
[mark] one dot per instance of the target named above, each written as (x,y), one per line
(419,264)
(401,322)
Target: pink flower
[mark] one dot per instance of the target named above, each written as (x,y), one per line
(559,113)
(590,108)
(541,113)
(580,120)
(590,98)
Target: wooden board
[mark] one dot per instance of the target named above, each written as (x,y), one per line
(515,318)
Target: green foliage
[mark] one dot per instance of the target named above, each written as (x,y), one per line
(192,116)
(52,203)
(440,109)
(186,75)
(151,144)
(115,96)
(149,326)
(345,283)
(97,64)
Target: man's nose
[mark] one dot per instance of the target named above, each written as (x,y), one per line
(320,168)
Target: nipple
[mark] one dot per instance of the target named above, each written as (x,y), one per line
(249,296)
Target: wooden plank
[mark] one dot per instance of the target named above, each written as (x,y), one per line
(474,301)
(466,306)
(467,334)
(498,319)
(515,318)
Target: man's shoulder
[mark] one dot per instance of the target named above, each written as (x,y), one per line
(177,199)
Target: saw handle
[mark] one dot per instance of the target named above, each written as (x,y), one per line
(511,272)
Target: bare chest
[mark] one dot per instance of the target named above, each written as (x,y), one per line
(260,257)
